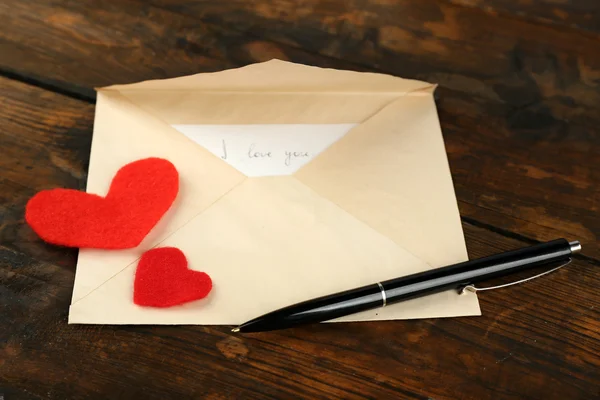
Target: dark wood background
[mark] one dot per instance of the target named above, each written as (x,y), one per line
(519,102)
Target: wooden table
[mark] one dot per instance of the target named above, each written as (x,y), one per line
(519,100)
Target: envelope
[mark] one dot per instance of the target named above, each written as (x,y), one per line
(274,223)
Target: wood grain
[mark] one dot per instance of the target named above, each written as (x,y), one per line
(76,46)
(517,102)
(498,59)
(529,90)
(577,14)
(543,178)
(542,339)
(45,144)
(540,342)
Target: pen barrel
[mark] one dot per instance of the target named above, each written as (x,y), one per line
(471,272)
(321,309)
(412,286)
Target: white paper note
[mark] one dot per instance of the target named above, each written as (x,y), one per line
(266,150)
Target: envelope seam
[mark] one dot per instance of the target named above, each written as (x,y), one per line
(158,243)
(360,220)
(295,175)
(373,115)
(170,126)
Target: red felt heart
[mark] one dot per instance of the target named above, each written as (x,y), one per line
(139,195)
(163,279)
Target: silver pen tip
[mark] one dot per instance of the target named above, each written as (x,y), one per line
(575,246)
(235,330)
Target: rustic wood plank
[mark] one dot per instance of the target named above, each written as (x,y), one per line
(518,64)
(578,14)
(539,340)
(539,182)
(504,60)
(497,127)
(46,142)
(81,45)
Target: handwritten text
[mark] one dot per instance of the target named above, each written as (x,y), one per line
(256,152)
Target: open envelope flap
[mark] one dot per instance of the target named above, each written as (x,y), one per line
(392,173)
(124,133)
(274,92)
(281,76)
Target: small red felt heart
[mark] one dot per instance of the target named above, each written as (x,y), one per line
(139,195)
(163,279)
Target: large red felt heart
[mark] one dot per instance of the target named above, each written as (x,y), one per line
(139,195)
(163,279)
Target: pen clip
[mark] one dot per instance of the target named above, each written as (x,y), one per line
(473,289)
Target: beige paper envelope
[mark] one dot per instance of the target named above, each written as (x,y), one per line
(376,204)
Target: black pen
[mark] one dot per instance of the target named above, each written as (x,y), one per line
(457,276)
